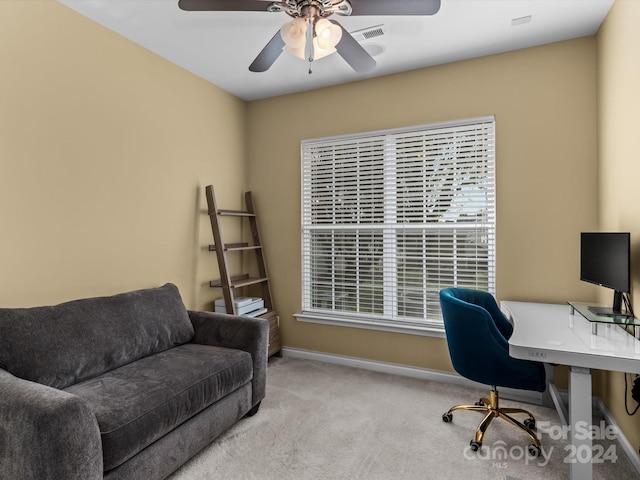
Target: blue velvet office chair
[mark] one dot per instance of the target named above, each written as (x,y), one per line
(477,336)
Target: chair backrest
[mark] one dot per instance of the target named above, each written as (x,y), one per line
(477,335)
(481,299)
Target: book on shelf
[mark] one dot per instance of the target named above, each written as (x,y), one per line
(255,313)
(243,305)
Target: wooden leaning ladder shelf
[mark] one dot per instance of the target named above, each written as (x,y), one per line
(229,283)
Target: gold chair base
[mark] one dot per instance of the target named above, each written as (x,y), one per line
(490,407)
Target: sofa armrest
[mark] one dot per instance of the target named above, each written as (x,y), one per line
(242,333)
(46,434)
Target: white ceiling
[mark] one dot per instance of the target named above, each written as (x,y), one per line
(219,46)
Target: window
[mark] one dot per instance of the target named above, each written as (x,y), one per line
(391,217)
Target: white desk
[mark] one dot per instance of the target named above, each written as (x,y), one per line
(549,333)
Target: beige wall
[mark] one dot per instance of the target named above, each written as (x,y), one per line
(544,100)
(619,163)
(103,149)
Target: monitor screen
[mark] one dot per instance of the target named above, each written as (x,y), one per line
(605,259)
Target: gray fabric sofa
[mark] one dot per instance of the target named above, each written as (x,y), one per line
(123,387)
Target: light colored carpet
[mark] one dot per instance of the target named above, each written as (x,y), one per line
(324,421)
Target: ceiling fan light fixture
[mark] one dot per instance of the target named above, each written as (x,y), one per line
(326,38)
(294,35)
(297,52)
(319,52)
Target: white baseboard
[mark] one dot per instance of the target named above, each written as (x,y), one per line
(378,366)
(407,371)
(440,376)
(624,441)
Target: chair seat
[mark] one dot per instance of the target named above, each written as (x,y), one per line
(140,402)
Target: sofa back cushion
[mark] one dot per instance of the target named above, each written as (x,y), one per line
(63,344)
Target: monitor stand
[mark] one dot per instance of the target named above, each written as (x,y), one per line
(603,311)
(613,311)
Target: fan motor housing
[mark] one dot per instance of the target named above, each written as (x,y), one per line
(311,8)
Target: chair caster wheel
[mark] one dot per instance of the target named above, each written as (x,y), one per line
(475,446)
(530,423)
(534,450)
(447,417)
(479,403)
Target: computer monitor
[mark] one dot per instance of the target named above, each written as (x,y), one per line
(605,259)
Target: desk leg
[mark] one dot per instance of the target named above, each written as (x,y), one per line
(580,419)
(556,400)
(551,397)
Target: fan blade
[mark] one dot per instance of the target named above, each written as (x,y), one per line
(394,7)
(225,5)
(353,53)
(268,55)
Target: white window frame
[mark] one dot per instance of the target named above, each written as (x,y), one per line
(387,318)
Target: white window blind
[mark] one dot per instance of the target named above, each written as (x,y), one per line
(389,218)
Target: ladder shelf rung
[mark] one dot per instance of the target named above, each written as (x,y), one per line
(246,247)
(239,282)
(235,213)
(230,247)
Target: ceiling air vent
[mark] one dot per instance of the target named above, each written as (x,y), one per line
(368,33)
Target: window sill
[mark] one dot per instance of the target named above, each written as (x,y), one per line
(370,324)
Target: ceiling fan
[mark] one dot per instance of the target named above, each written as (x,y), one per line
(311,35)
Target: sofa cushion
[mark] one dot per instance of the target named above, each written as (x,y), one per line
(74,341)
(138,403)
